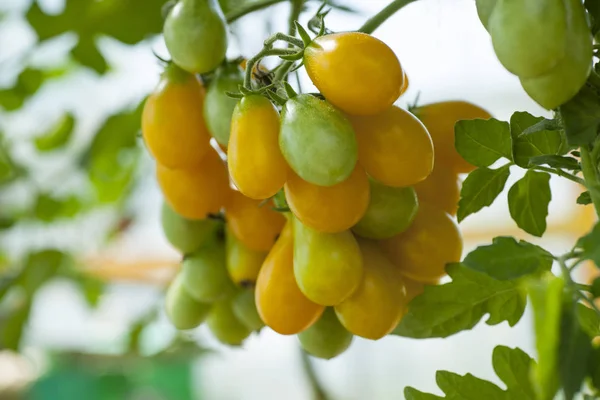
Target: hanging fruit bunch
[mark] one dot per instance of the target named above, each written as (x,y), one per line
(330,211)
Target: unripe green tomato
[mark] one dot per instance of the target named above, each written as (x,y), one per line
(205,275)
(183,311)
(317,140)
(184,234)
(244,308)
(196,35)
(327,338)
(218,107)
(226,327)
(391,211)
(529,37)
(484,10)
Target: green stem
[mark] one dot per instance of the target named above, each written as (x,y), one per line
(376,20)
(566,272)
(266,52)
(560,172)
(236,14)
(318,391)
(590,174)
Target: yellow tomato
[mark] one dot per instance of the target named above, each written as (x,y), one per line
(256,225)
(329,208)
(280,303)
(195,193)
(356,72)
(405,83)
(380,301)
(440,118)
(441,189)
(256,164)
(422,252)
(394,147)
(172,122)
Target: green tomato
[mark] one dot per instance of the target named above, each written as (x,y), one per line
(244,308)
(327,338)
(226,327)
(184,234)
(484,10)
(529,37)
(391,210)
(205,275)
(196,35)
(218,107)
(317,140)
(182,310)
(563,81)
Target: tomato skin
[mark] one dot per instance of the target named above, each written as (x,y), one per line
(356,72)
(195,33)
(327,338)
(197,192)
(183,310)
(244,308)
(256,164)
(422,252)
(329,208)
(394,147)
(317,141)
(184,234)
(172,123)
(256,226)
(243,264)
(390,212)
(328,266)
(218,107)
(441,189)
(379,303)
(440,118)
(225,325)
(280,303)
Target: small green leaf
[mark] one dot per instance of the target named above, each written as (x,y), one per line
(593,8)
(28,82)
(48,208)
(13,324)
(87,54)
(590,244)
(512,366)
(441,311)
(528,201)
(589,320)
(534,144)
(507,259)
(584,198)
(58,136)
(483,142)
(306,39)
(581,117)
(480,189)
(92,290)
(543,124)
(595,290)
(554,161)
(40,267)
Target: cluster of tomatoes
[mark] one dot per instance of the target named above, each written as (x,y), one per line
(321,216)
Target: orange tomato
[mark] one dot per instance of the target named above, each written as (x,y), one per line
(440,189)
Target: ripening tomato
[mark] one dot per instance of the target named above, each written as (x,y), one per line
(243,264)
(172,123)
(187,235)
(422,252)
(356,72)
(327,338)
(183,310)
(439,118)
(394,147)
(225,325)
(195,33)
(256,164)
(280,303)
(197,192)
(329,208)
(441,189)
(244,308)
(256,225)
(380,301)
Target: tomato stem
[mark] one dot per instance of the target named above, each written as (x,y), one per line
(376,20)
(560,172)
(318,391)
(590,173)
(254,6)
(265,52)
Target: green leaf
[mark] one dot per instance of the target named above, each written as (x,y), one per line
(554,161)
(594,370)
(28,82)
(507,259)
(528,201)
(546,298)
(92,290)
(483,142)
(58,135)
(533,144)
(480,189)
(88,55)
(590,245)
(512,367)
(581,117)
(49,209)
(541,125)
(584,198)
(441,311)
(13,324)
(589,320)
(595,289)
(593,8)
(40,267)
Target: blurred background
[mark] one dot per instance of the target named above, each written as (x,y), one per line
(79,211)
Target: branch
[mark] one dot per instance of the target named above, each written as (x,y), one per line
(238,13)
(376,20)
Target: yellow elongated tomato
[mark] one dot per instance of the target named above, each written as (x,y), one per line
(329,208)
(256,225)
(172,122)
(422,252)
(441,189)
(356,72)
(256,164)
(280,303)
(195,193)
(242,263)
(394,147)
(380,301)
(440,118)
